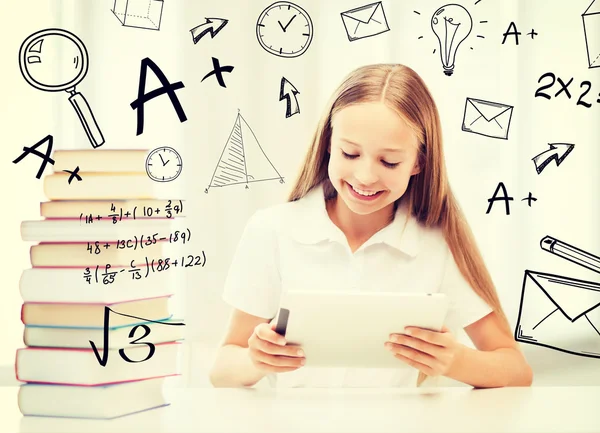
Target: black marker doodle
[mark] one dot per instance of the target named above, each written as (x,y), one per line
(140,14)
(45,157)
(74,174)
(167,88)
(182,236)
(217,72)
(39,58)
(512,31)
(451,28)
(102,360)
(506,198)
(284,29)
(452,24)
(170,211)
(489,119)
(570,253)
(157,164)
(288,92)
(557,152)
(243,160)
(365,21)
(591,26)
(152,265)
(564,88)
(208,27)
(555,310)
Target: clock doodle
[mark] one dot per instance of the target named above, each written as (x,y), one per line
(163,164)
(284,29)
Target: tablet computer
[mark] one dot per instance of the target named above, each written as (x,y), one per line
(349,329)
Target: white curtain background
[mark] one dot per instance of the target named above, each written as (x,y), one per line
(567,206)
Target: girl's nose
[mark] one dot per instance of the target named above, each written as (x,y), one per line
(365,173)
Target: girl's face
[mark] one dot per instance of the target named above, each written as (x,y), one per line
(373,154)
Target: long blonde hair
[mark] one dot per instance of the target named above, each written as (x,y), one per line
(429,196)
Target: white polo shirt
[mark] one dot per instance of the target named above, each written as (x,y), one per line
(296,246)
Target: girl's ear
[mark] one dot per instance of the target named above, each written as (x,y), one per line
(417,167)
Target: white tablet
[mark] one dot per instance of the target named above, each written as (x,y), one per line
(349,329)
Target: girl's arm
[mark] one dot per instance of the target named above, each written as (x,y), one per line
(497,361)
(232,366)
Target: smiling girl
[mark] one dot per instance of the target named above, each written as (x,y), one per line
(371,210)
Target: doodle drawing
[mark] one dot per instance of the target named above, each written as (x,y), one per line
(212,26)
(288,92)
(242,160)
(365,21)
(53,60)
(451,24)
(591,31)
(557,152)
(490,119)
(284,29)
(559,312)
(141,14)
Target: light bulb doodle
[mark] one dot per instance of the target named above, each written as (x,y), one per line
(451,24)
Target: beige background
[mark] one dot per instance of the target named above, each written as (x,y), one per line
(567,206)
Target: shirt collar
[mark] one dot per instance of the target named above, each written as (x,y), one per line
(311,224)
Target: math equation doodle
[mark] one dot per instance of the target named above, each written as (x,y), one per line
(103,360)
(242,160)
(153,265)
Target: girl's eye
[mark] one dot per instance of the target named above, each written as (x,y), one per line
(347,155)
(390,164)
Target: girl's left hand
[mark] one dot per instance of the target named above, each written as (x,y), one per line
(431,352)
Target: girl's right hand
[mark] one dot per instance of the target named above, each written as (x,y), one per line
(268,351)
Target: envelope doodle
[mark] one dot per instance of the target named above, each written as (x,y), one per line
(487,118)
(559,312)
(365,21)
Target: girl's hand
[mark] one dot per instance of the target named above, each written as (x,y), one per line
(431,352)
(268,351)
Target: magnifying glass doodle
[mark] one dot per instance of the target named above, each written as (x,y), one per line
(53,60)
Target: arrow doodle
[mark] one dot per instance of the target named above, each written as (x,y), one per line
(557,152)
(208,27)
(287,91)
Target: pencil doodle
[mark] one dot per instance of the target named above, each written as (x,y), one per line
(242,160)
(53,60)
(289,40)
(591,32)
(559,312)
(46,158)
(212,26)
(288,92)
(451,24)
(490,119)
(218,72)
(140,14)
(570,253)
(557,152)
(365,21)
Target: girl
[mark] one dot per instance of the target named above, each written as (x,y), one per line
(371,210)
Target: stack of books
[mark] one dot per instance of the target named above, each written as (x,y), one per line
(99,331)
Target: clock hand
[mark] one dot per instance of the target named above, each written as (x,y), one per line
(282,28)
(161,159)
(289,22)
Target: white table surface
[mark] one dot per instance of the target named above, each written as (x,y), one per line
(534,409)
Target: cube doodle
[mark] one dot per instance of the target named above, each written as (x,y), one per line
(141,14)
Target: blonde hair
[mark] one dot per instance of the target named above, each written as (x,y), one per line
(429,196)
